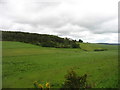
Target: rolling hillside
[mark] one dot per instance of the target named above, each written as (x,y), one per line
(25,63)
(43,40)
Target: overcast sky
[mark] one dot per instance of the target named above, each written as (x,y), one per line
(89,20)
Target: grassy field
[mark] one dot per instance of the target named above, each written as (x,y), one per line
(25,63)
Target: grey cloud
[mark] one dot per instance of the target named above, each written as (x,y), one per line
(56,17)
(94,24)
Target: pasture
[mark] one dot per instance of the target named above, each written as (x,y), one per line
(22,64)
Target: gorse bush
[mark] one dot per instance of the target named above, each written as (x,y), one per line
(72,81)
(75,81)
(42,86)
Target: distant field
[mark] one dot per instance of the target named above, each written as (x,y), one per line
(25,63)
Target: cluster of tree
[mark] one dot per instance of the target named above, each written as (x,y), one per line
(39,39)
(81,41)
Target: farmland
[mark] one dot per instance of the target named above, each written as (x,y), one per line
(25,63)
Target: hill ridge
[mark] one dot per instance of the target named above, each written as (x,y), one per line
(44,40)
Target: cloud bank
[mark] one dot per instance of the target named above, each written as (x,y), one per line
(89,20)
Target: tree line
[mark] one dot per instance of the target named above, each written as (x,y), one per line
(44,40)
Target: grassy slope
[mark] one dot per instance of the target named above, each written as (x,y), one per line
(91,46)
(25,63)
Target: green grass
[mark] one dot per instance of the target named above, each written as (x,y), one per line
(25,63)
(91,46)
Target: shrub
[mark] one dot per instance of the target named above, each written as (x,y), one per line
(72,81)
(75,81)
(74,45)
(42,86)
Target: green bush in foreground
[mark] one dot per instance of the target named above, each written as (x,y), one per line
(72,81)
(75,81)
(41,86)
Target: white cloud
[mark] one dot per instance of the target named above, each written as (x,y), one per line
(90,20)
